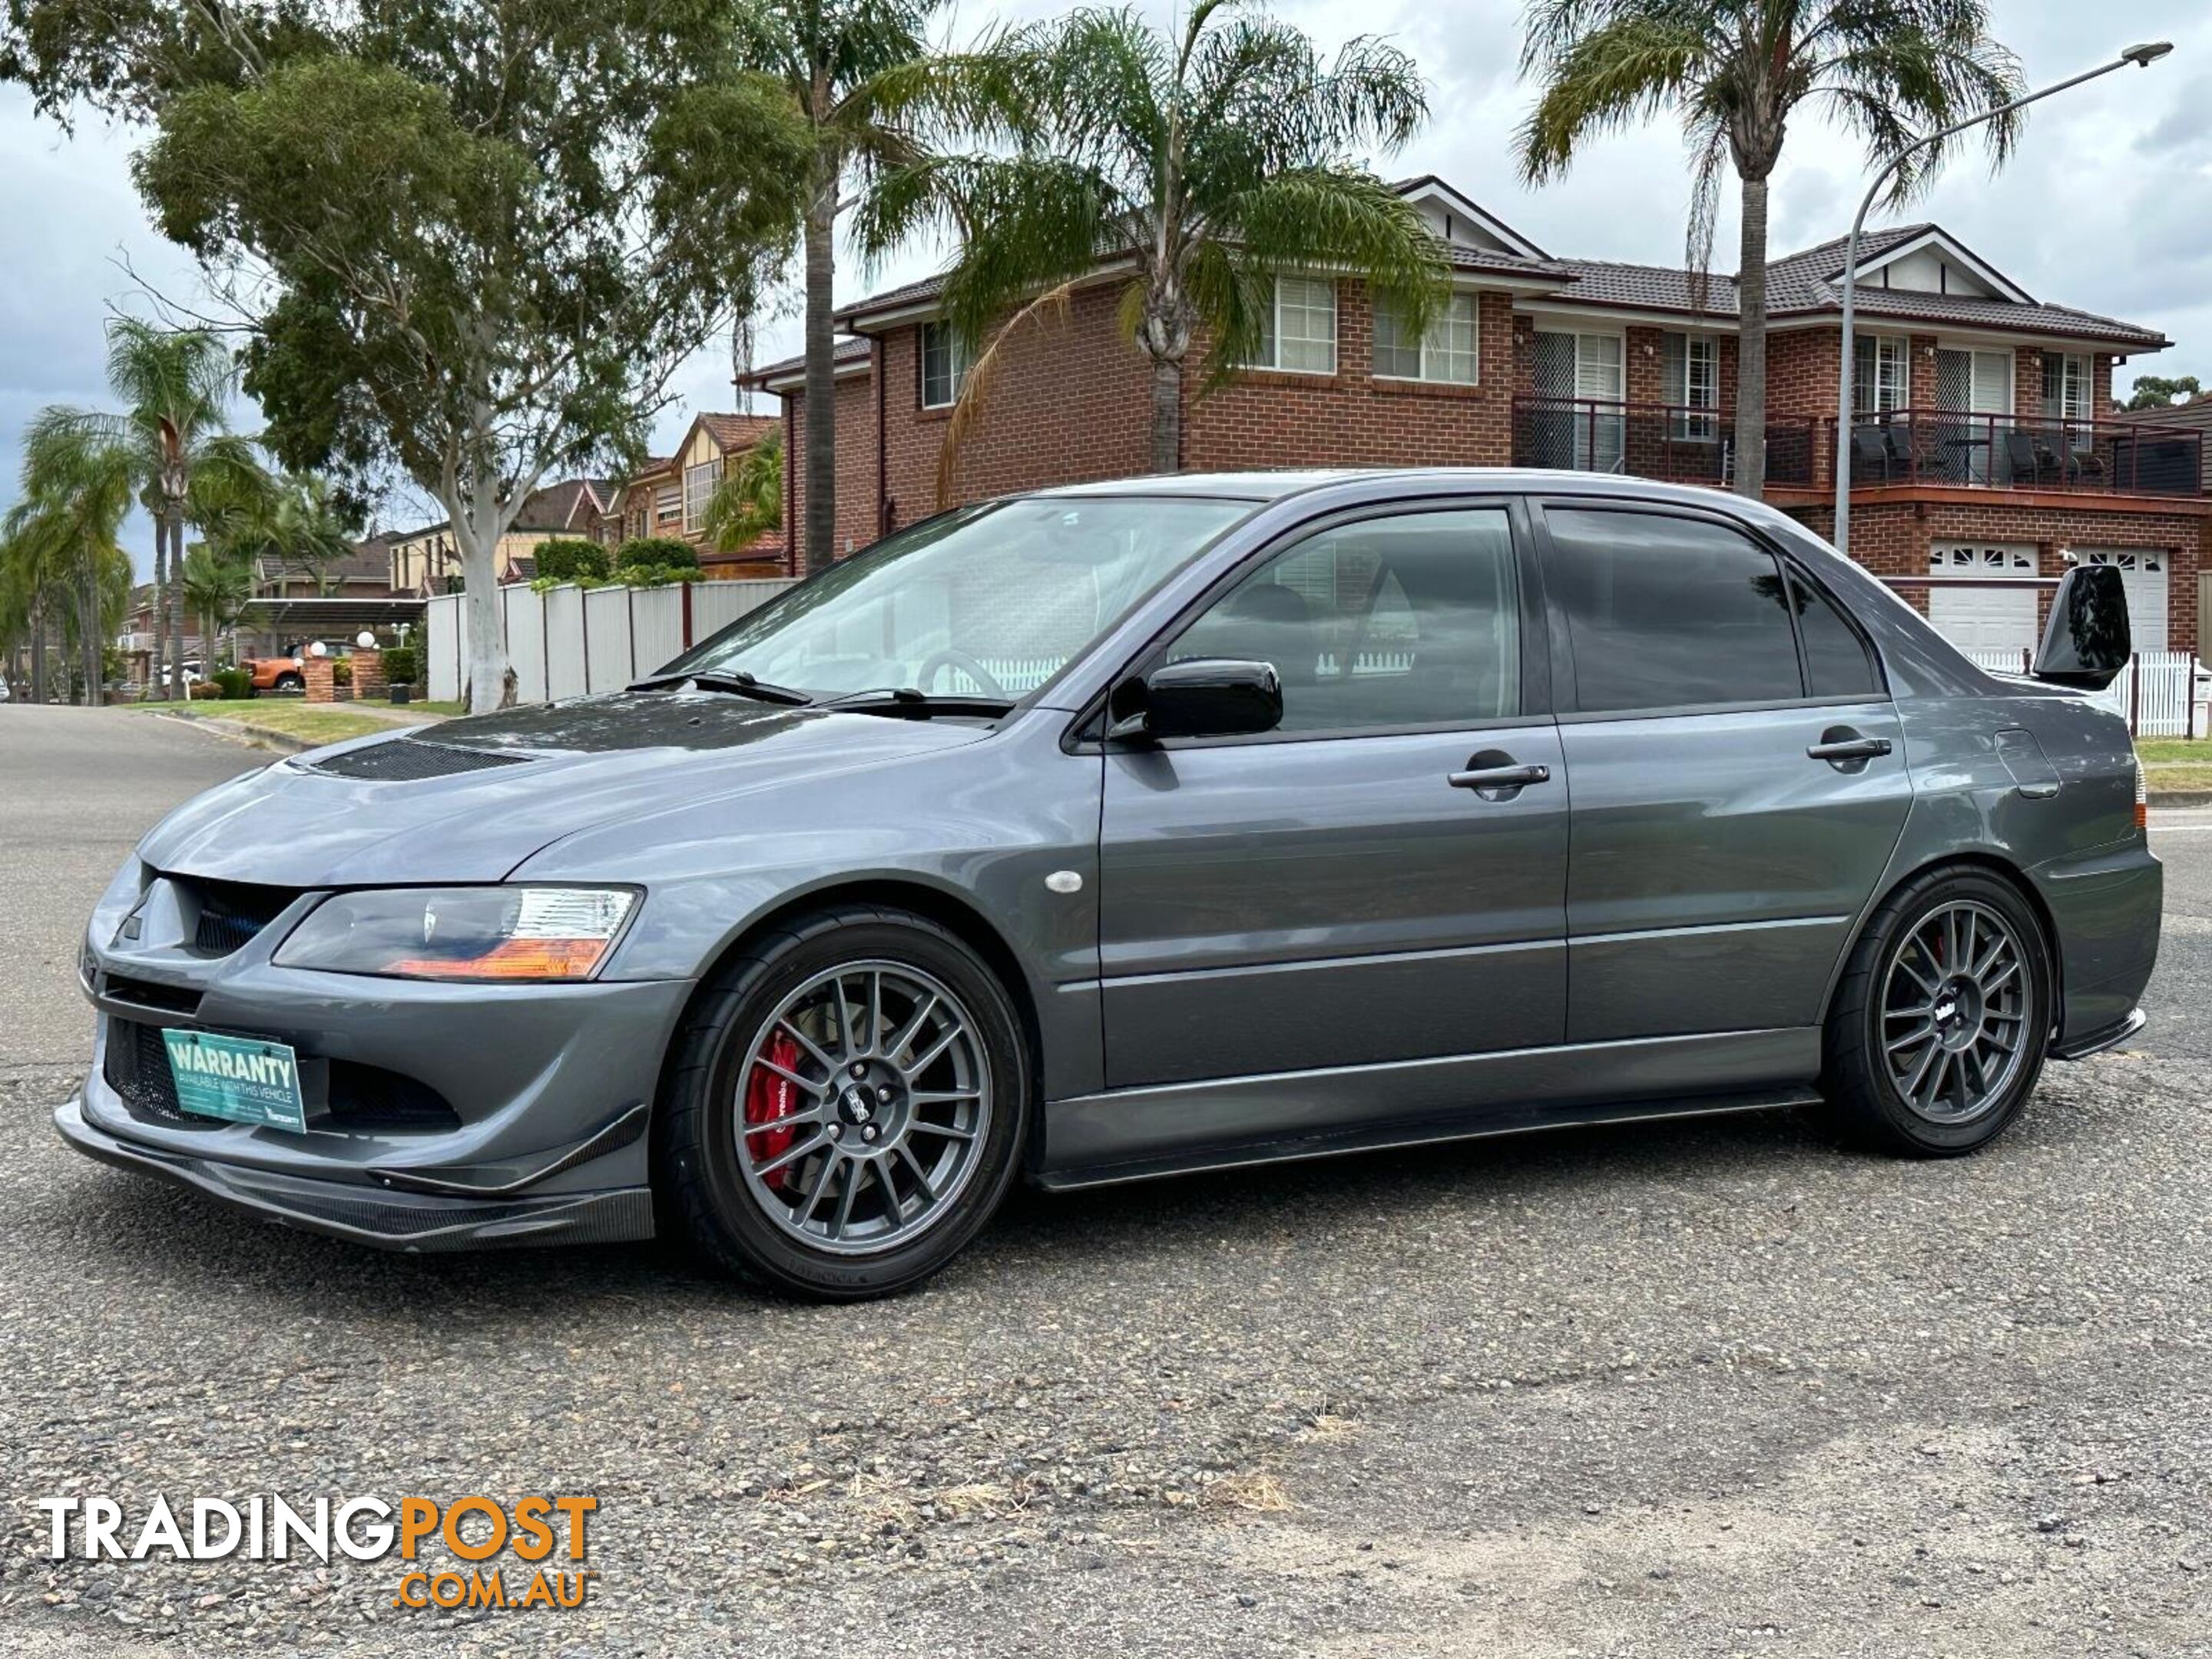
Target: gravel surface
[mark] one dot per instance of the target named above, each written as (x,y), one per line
(1715,1388)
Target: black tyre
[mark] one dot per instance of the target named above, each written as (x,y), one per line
(290,683)
(1938,1031)
(845,1106)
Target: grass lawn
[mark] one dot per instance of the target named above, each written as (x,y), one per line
(320,723)
(2155,751)
(2178,777)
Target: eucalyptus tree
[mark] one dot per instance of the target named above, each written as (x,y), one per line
(1209,160)
(459,235)
(1736,72)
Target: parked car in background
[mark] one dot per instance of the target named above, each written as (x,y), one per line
(276,674)
(1130,830)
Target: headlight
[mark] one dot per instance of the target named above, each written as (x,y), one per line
(462,932)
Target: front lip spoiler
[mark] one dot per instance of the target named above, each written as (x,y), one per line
(2096,1041)
(405,1221)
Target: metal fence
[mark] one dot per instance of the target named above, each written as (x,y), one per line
(2156,694)
(574,641)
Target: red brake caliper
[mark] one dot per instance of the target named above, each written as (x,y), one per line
(769,1098)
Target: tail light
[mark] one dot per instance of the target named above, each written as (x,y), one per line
(2143,798)
(769,1099)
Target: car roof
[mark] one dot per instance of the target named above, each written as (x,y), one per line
(1265,485)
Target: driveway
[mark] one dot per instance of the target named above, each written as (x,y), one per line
(1712,1389)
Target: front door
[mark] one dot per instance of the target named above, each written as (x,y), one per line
(1739,776)
(1327,895)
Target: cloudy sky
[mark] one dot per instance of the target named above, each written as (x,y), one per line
(2107,206)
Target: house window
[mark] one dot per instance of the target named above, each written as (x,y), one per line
(944,363)
(667,508)
(1881,377)
(1693,384)
(699,483)
(1447,353)
(1298,332)
(2066,385)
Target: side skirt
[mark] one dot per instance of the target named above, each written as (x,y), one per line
(1132,1133)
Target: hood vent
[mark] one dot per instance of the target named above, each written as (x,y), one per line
(410,760)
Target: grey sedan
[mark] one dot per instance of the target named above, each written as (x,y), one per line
(1131,829)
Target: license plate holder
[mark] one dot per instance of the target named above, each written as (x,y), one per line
(248,1080)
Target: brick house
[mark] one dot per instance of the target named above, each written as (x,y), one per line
(427,561)
(1982,456)
(668,495)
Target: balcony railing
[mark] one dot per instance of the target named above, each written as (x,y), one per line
(2012,451)
(1646,440)
(1901,447)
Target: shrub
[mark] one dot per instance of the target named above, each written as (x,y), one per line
(234,683)
(567,559)
(342,671)
(656,553)
(400,665)
(205,691)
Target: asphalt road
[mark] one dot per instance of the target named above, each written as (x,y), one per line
(1717,1388)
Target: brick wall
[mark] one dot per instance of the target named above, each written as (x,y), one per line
(856,467)
(1352,418)
(1894,538)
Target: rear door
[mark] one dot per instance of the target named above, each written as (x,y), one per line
(1328,895)
(1739,774)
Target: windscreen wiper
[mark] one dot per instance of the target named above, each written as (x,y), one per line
(740,683)
(906,702)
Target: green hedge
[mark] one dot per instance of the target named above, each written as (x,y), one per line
(234,682)
(656,553)
(567,558)
(400,665)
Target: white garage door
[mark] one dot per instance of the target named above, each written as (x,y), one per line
(2142,573)
(1975,617)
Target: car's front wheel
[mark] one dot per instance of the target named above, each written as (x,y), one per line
(1939,1028)
(846,1106)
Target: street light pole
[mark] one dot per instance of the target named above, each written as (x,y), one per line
(2142,56)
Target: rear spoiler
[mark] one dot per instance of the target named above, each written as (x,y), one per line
(2087,640)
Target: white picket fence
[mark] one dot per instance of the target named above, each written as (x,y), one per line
(2155,693)
(574,641)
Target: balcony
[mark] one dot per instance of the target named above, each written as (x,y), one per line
(1947,449)
(1902,449)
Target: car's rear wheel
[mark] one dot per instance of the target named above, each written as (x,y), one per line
(290,683)
(1939,1029)
(846,1106)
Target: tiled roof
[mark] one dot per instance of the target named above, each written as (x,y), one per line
(847,352)
(737,431)
(1806,283)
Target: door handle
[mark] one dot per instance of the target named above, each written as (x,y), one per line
(1852,747)
(1487,778)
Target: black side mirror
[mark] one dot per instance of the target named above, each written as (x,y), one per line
(2087,640)
(1204,697)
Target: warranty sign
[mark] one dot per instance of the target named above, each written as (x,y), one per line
(242,1080)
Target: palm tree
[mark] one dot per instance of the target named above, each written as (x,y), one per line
(1736,71)
(748,502)
(218,587)
(859,76)
(293,521)
(173,442)
(60,559)
(1210,159)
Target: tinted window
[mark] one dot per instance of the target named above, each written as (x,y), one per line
(1666,612)
(1837,662)
(1406,621)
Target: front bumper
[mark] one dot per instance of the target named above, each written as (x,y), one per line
(390,1218)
